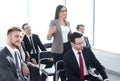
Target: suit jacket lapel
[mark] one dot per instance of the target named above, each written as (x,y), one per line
(27,40)
(74,60)
(11,61)
(58,27)
(86,59)
(27,43)
(9,56)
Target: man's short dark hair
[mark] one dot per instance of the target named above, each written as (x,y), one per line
(15,28)
(24,25)
(74,35)
(79,25)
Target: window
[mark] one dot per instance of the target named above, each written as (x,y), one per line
(107,17)
(13,13)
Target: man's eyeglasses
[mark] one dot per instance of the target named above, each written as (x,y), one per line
(79,43)
(27,28)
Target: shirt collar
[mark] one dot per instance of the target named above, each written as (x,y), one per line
(29,35)
(75,51)
(11,50)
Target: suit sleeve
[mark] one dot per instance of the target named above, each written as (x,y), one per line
(6,70)
(52,23)
(87,42)
(1,78)
(98,65)
(40,44)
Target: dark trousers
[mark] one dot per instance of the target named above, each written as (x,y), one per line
(92,78)
(35,56)
(34,73)
(57,57)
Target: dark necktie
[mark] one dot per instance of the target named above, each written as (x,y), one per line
(20,76)
(81,66)
(32,45)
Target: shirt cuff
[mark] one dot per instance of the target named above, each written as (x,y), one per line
(106,79)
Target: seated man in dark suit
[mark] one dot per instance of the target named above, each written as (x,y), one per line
(80,28)
(12,68)
(32,42)
(32,45)
(79,59)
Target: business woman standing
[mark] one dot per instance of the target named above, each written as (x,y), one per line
(59,29)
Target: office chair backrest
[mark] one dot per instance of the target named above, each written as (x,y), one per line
(45,54)
(58,70)
(48,45)
(44,58)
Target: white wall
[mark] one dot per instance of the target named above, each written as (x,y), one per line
(40,15)
(13,13)
(107,26)
(81,12)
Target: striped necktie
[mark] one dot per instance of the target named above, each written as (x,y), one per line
(17,59)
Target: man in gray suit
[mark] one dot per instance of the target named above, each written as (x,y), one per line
(11,67)
(80,28)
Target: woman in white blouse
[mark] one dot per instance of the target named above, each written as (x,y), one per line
(59,29)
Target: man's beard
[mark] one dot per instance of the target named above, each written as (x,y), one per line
(16,46)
